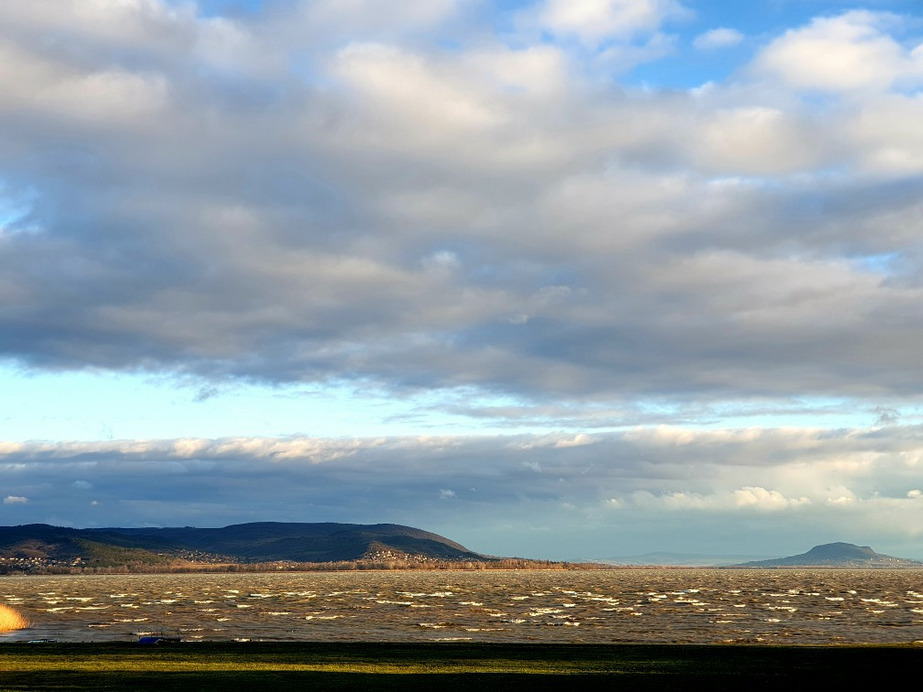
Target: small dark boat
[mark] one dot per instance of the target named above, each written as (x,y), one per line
(156,640)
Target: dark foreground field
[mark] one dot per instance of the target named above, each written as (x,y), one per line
(269,666)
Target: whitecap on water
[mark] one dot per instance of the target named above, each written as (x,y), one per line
(608,605)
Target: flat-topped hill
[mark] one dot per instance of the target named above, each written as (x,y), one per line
(837,555)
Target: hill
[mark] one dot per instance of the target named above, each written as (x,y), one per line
(40,547)
(837,555)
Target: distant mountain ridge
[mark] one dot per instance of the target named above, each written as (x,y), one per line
(669,559)
(837,555)
(239,543)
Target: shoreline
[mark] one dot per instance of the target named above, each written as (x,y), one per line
(286,567)
(308,568)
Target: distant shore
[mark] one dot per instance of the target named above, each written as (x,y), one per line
(186,567)
(432,566)
(450,666)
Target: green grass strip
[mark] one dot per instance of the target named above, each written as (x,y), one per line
(268,666)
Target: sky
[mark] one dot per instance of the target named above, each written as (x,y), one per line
(565,279)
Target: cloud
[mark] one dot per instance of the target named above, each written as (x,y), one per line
(383,210)
(647,474)
(714,39)
(886,415)
(882,132)
(766,500)
(15,500)
(756,141)
(412,92)
(205,393)
(577,441)
(746,499)
(351,16)
(595,20)
(847,52)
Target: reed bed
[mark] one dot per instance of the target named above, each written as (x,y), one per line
(11,619)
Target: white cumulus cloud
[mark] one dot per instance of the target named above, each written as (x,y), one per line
(593,20)
(843,53)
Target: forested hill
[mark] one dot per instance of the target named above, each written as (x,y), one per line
(41,545)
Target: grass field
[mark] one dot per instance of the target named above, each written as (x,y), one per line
(449,666)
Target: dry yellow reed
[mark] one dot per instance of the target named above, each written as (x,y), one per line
(11,619)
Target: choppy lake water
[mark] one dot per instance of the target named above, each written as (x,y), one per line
(636,605)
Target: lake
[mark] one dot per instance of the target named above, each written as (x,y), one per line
(621,605)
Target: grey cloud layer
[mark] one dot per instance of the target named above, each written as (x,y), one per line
(590,493)
(297,198)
